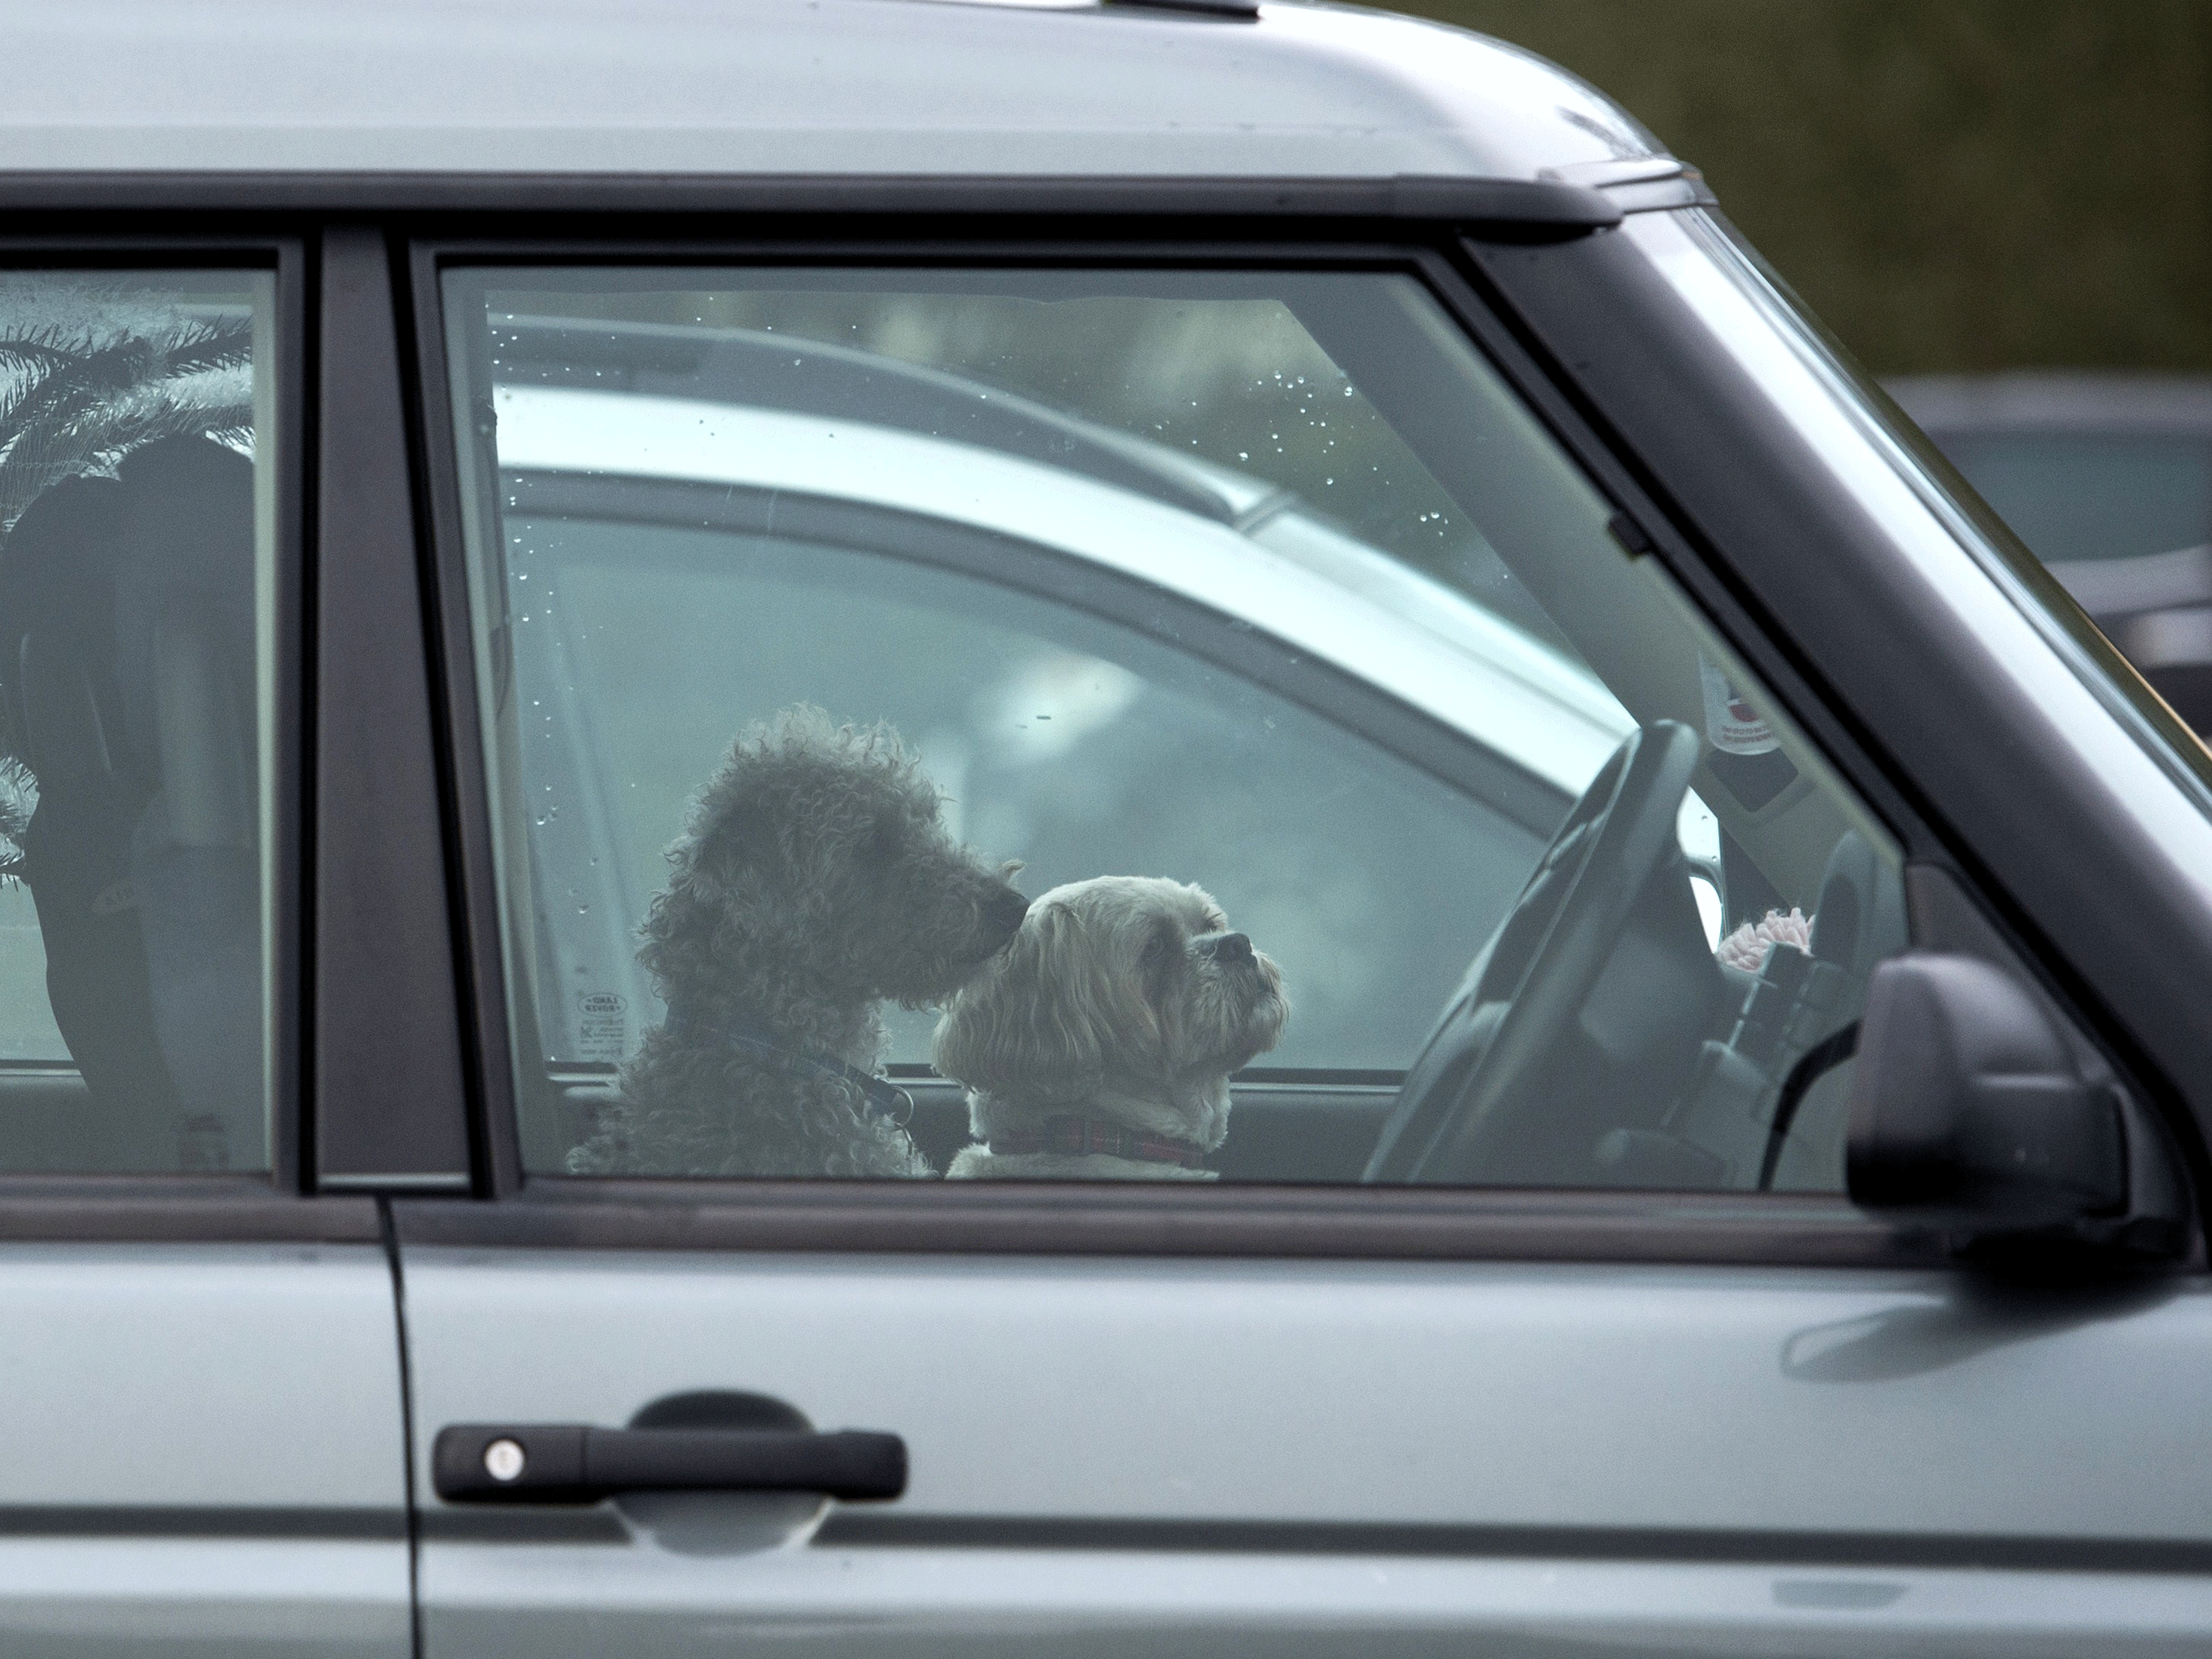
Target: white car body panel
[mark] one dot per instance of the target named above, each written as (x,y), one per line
(202,1444)
(1323,593)
(1455,1410)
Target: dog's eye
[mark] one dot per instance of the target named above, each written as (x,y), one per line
(1158,946)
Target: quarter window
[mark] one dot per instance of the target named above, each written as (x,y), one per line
(1050,725)
(137,411)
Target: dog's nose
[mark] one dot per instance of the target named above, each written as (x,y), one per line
(1006,908)
(1232,948)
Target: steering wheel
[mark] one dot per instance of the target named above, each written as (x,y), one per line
(1474,1107)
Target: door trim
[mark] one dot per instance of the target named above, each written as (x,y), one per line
(1146,1219)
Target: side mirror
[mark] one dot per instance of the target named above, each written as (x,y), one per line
(1970,1111)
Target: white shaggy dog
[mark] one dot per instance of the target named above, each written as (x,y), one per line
(1098,1046)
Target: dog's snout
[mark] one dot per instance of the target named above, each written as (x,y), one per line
(1006,908)
(1232,948)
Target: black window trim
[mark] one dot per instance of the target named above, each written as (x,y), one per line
(1521,208)
(248,1207)
(170,1209)
(1168,1219)
(1458,269)
(390,1060)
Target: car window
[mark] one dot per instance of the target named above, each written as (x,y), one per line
(1149,716)
(136,516)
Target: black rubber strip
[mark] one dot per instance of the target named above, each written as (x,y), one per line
(1815,1063)
(895,1529)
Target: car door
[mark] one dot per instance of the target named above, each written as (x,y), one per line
(203,1449)
(1293,579)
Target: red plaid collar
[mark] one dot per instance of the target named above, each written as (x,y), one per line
(1082,1136)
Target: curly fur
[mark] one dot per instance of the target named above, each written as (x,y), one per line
(1125,999)
(813,880)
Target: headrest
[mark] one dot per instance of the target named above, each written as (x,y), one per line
(106,585)
(188,519)
(1860,916)
(186,550)
(57,580)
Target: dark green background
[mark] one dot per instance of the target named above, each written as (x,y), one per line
(1953,184)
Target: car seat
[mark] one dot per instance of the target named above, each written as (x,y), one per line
(57,658)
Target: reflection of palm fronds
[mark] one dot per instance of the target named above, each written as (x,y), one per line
(91,369)
(19,798)
(83,397)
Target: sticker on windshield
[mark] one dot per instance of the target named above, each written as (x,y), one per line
(1732,725)
(601,1025)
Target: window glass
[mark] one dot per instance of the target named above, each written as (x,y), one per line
(1116,725)
(137,518)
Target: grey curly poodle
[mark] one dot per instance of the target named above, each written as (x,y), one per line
(813,880)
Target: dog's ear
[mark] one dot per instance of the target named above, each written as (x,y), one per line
(1049,1016)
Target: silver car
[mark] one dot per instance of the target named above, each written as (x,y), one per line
(2108,479)
(477,1176)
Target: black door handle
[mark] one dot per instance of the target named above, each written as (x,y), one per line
(570,1463)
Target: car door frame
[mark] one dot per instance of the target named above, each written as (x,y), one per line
(1492,277)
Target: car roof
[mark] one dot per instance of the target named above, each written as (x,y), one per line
(865,88)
